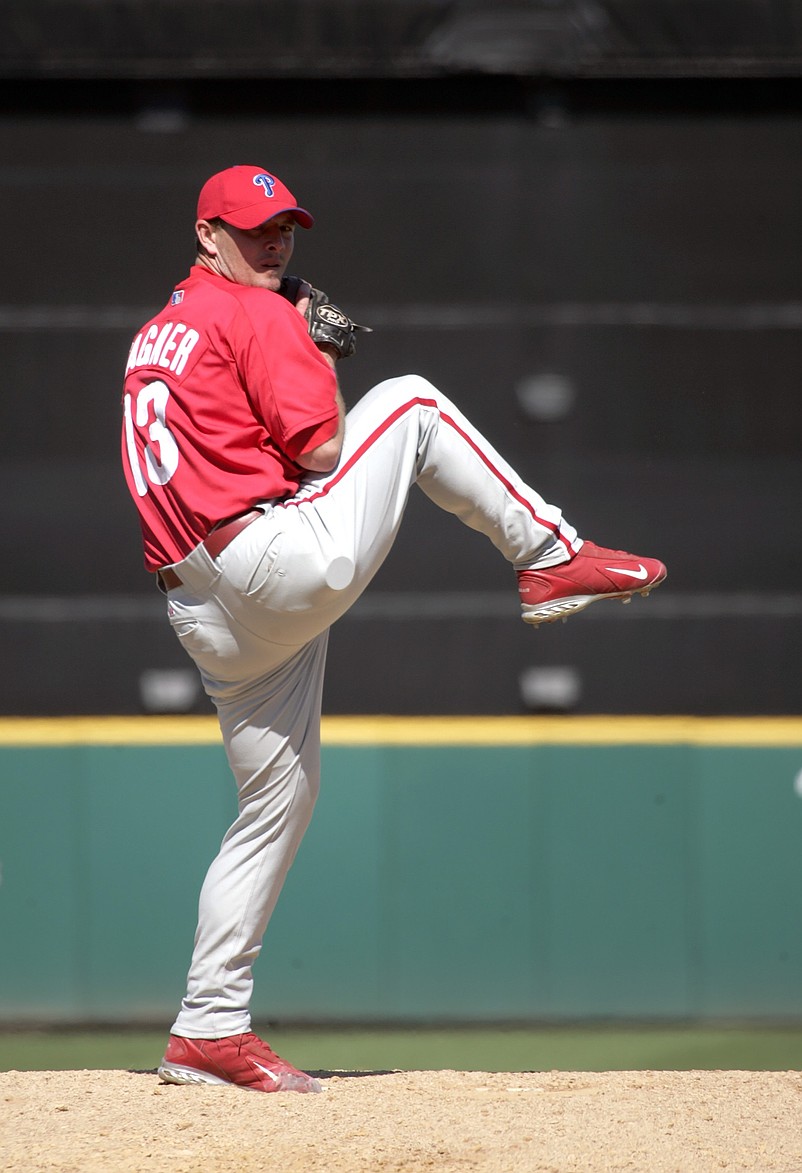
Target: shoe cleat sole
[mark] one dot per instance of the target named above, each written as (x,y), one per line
(188,1075)
(285,1081)
(564,608)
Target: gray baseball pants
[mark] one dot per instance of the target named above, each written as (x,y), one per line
(255,620)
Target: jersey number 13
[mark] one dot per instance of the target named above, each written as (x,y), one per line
(161,455)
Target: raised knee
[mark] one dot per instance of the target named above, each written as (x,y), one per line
(408,387)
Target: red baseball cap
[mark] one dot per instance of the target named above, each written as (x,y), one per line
(246,197)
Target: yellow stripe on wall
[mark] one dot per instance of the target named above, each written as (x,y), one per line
(378,730)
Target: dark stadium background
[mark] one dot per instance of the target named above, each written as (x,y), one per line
(580,219)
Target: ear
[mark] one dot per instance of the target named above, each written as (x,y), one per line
(206,234)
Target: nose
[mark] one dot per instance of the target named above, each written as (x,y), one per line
(273,237)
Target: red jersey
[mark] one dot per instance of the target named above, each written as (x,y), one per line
(224,389)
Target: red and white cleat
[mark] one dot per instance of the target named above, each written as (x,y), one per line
(558,592)
(244,1060)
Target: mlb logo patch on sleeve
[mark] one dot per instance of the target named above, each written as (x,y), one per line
(177,297)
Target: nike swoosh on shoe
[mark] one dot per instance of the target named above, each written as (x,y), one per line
(640,573)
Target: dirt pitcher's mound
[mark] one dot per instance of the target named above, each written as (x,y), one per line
(363,1122)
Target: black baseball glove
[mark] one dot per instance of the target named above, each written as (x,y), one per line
(327,323)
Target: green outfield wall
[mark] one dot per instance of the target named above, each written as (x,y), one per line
(456,869)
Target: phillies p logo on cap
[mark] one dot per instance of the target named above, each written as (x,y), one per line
(267,182)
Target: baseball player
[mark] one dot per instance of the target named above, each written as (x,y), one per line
(265,512)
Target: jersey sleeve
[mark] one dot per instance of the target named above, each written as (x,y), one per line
(291,386)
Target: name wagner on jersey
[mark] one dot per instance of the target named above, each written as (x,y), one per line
(168,347)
